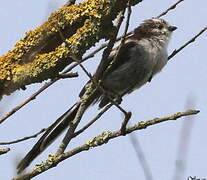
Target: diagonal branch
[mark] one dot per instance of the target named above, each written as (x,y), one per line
(34,95)
(105,61)
(69,135)
(24,138)
(99,140)
(86,126)
(169,9)
(187,43)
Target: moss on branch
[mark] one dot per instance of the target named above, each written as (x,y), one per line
(40,55)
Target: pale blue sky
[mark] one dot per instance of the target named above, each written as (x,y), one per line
(183,77)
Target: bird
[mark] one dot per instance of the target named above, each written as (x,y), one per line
(142,55)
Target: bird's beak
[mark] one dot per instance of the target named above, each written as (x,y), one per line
(172,28)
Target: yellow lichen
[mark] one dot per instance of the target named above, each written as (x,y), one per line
(28,62)
(98,140)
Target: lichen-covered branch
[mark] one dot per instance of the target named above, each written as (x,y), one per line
(40,55)
(99,140)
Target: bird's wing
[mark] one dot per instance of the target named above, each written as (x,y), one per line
(122,57)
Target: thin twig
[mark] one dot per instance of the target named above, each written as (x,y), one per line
(24,138)
(105,61)
(127,114)
(34,95)
(92,121)
(169,9)
(67,75)
(69,135)
(123,37)
(99,140)
(187,43)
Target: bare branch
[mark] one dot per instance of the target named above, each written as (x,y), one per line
(169,9)
(33,96)
(187,43)
(24,138)
(69,135)
(93,120)
(99,140)
(67,75)
(105,61)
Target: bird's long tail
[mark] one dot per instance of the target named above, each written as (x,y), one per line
(49,136)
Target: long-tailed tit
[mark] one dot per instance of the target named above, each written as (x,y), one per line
(142,56)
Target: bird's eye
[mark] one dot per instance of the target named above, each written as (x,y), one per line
(160,26)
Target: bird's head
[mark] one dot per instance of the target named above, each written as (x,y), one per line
(154,27)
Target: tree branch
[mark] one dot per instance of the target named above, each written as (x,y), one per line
(93,120)
(169,9)
(187,43)
(24,138)
(40,55)
(99,140)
